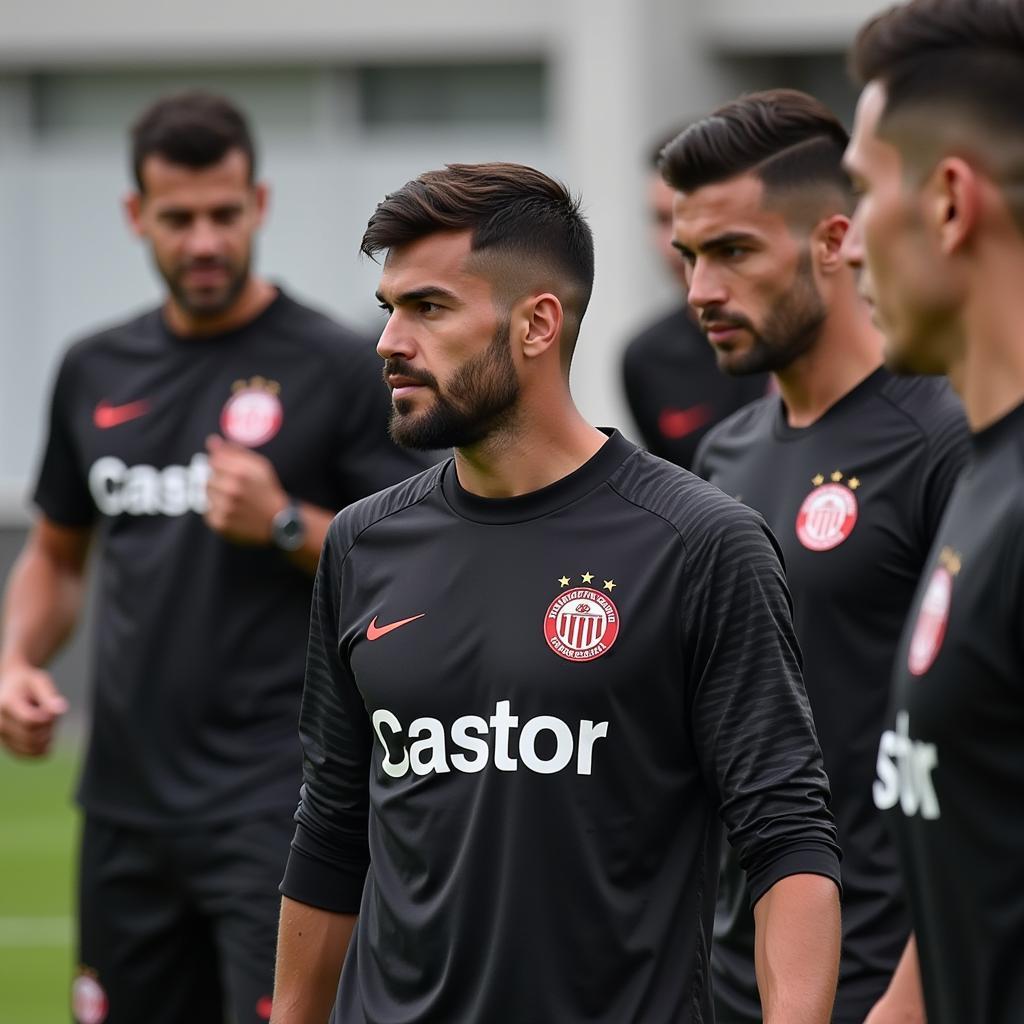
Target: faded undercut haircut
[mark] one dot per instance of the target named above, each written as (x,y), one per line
(193,129)
(949,68)
(527,230)
(786,138)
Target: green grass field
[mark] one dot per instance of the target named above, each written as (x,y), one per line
(38,836)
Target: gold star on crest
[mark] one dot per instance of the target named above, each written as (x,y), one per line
(587,577)
(817,480)
(836,476)
(610,585)
(853,483)
(951,561)
(563,581)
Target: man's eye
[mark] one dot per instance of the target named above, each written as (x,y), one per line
(176,220)
(429,307)
(733,252)
(385,308)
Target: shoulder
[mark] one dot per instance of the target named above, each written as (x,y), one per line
(744,425)
(355,519)
(124,337)
(701,516)
(928,404)
(322,333)
(663,335)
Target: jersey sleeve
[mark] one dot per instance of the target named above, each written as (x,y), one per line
(330,855)
(945,457)
(368,460)
(751,719)
(62,490)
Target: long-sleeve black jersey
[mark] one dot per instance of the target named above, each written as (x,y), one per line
(951,762)
(854,500)
(522,721)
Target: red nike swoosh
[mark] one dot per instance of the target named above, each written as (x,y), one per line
(375,632)
(106,415)
(677,423)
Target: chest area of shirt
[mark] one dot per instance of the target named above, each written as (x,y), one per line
(141,430)
(844,514)
(570,624)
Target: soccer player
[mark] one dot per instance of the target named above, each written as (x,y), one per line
(850,466)
(205,443)
(537,676)
(939,230)
(675,390)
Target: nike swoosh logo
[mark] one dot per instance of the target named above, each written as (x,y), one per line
(375,632)
(677,423)
(106,415)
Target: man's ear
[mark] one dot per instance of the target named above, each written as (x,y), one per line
(953,202)
(132,206)
(542,317)
(261,190)
(827,242)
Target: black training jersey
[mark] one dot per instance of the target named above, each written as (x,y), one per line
(200,642)
(675,390)
(951,764)
(854,500)
(526,717)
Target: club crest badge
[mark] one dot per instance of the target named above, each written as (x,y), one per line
(253,414)
(829,513)
(933,616)
(88,1000)
(582,622)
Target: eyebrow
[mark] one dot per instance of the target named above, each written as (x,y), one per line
(718,241)
(430,291)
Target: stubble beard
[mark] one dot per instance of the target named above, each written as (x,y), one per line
(478,402)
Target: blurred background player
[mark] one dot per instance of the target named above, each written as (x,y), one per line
(850,466)
(675,390)
(207,443)
(936,156)
(537,675)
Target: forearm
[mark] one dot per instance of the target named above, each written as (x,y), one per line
(311,947)
(903,1002)
(41,605)
(796,952)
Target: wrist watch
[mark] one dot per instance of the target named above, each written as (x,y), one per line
(288,528)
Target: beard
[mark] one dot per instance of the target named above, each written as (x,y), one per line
(206,302)
(790,329)
(477,401)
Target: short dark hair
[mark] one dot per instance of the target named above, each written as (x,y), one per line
(785,137)
(966,54)
(511,210)
(195,129)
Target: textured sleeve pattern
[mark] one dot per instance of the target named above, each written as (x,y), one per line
(330,855)
(752,723)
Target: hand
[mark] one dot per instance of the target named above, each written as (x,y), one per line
(30,707)
(243,493)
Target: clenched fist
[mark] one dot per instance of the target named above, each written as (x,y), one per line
(243,493)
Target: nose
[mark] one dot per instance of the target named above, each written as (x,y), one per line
(706,287)
(203,238)
(852,249)
(395,340)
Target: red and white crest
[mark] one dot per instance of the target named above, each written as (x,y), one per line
(88,1000)
(253,414)
(581,624)
(826,517)
(930,628)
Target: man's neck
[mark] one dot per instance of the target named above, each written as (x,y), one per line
(538,448)
(251,301)
(990,375)
(847,351)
